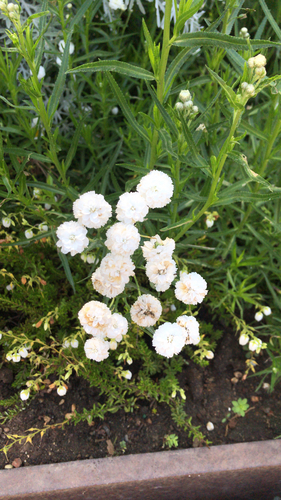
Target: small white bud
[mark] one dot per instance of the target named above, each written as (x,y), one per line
(258,316)
(41,73)
(10,287)
(113,344)
(23,352)
(188,105)
(24,395)
(251,62)
(243,339)
(11,7)
(195,109)
(115,110)
(69,6)
(260,61)
(179,106)
(184,95)
(66,344)
(91,259)
(127,374)
(47,206)
(209,222)
(16,358)
(9,357)
(209,355)
(244,85)
(61,390)
(36,191)
(173,307)
(28,233)
(250,89)
(255,345)
(43,227)
(6,221)
(74,343)
(265,386)
(62,47)
(129,361)
(266,311)
(210,426)
(260,72)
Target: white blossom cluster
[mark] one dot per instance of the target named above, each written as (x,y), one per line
(106,329)
(21,353)
(185,104)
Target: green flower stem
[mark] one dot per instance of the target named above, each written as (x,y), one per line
(166,45)
(227,147)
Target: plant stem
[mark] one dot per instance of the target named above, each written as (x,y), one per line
(161,78)
(226,148)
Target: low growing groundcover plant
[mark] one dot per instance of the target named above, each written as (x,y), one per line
(140,198)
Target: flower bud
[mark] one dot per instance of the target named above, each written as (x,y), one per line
(11,7)
(250,90)
(209,222)
(113,344)
(210,426)
(243,339)
(115,110)
(61,390)
(28,233)
(244,33)
(244,85)
(260,72)
(127,374)
(24,395)
(255,345)
(266,311)
(179,106)
(184,95)
(258,316)
(195,109)
(188,104)
(6,221)
(16,358)
(74,343)
(209,355)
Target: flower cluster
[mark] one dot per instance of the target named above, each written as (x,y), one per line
(191,288)
(185,104)
(106,329)
(160,267)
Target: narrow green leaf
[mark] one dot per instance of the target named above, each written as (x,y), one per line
(74,144)
(187,15)
(168,120)
(191,144)
(242,160)
(205,39)
(59,85)
(174,67)
(125,108)
(29,154)
(167,142)
(230,94)
(34,16)
(67,270)
(46,187)
(17,107)
(118,66)
(270,18)
(84,7)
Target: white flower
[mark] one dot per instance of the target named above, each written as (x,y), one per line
(61,390)
(173,307)
(16,358)
(9,357)
(146,310)
(74,343)
(28,233)
(43,227)
(243,339)
(131,208)
(72,238)
(66,344)
(41,73)
(92,210)
(209,355)
(122,239)
(10,287)
(210,426)
(112,275)
(115,110)
(62,47)
(156,188)
(255,345)
(266,310)
(265,386)
(95,317)
(23,352)
(156,247)
(161,272)
(6,221)
(169,339)
(97,349)
(184,95)
(47,206)
(191,326)
(91,259)
(191,289)
(127,374)
(58,61)
(258,316)
(24,394)
(117,327)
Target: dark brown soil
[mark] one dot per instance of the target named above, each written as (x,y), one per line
(209,391)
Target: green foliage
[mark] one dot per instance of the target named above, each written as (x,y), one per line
(240,406)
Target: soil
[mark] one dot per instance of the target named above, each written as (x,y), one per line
(209,393)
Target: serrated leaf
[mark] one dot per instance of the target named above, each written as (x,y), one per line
(117,66)
(206,39)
